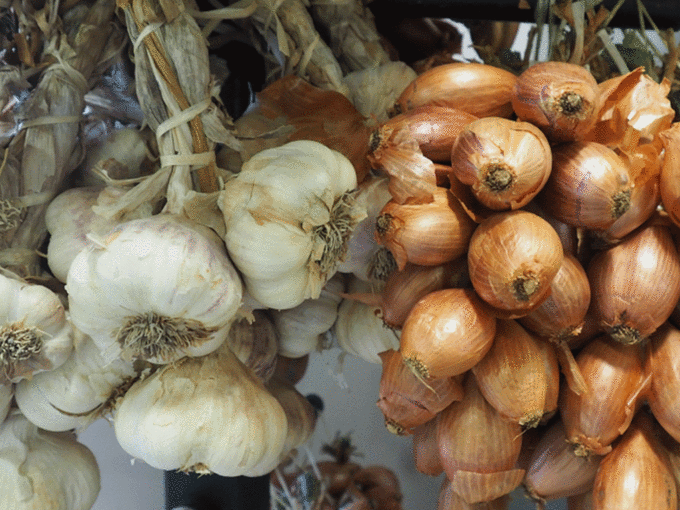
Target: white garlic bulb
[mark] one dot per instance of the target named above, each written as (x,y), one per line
(288,214)
(34,332)
(6,394)
(127,146)
(359,329)
(70,396)
(43,470)
(70,218)
(301,328)
(207,414)
(156,288)
(365,258)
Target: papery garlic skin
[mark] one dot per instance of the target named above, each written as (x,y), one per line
(288,214)
(6,394)
(35,334)
(301,328)
(163,274)
(70,396)
(43,470)
(207,414)
(70,218)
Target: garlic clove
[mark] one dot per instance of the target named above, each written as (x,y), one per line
(206,414)
(35,334)
(166,275)
(42,469)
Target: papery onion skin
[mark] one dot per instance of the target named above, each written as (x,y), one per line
(479,89)
(562,99)
(425,449)
(434,128)
(478,446)
(404,288)
(589,186)
(636,283)
(512,258)
(554,470)
(670,172)
(449,500)
(519,376)
(614,374)
(637,473)
(407,402)
(505,162)
(425,234)
(446,333)
(663,363)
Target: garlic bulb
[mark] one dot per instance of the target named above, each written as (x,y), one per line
(127,146)
(207,414)
(255,343)
(43,470)
(158,289)
(301,328)
(359,329)
(365,258)
(6,394)
(70,396)
(34,332)
(70,218)
(288,214)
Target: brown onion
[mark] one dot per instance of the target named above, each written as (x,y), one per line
(434,128)
(614,374)
(582,501)
(636,284)
(505,162)
(589,186)
(425,449)
(519,376)
(425,234)
(560,98)
(406,401)
(670,172)
(568,233)
(447,333)
(449,500)
(255,344)
(512,258)
(478,448)
(479,89)
(404,288)
(637,472)
(663,363)
(555,471)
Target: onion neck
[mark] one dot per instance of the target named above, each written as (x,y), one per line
(620,203)
(525,286)
(498,177)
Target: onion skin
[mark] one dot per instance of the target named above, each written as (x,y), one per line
(519,376)
(589,186)
(562,314)
(404,288)
(478,448)
(447,333)
(637,473)
(512,258)
(663,363)
(434,128)
(636,284)
(407,402)
(670,172)
(505,162)
(449,500)
(614,374)
(554,471)
(425,449)
(479,89)
(560,98)
(425,234)
(581,501)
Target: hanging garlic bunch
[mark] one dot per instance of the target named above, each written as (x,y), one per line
(70,218)
(34,332)
(43,470)
(71,396)
(288,215)
(157,289)
(301,328)
(207,415)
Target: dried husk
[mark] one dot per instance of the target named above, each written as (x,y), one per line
(519,376)
(478,448)
(406,401)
